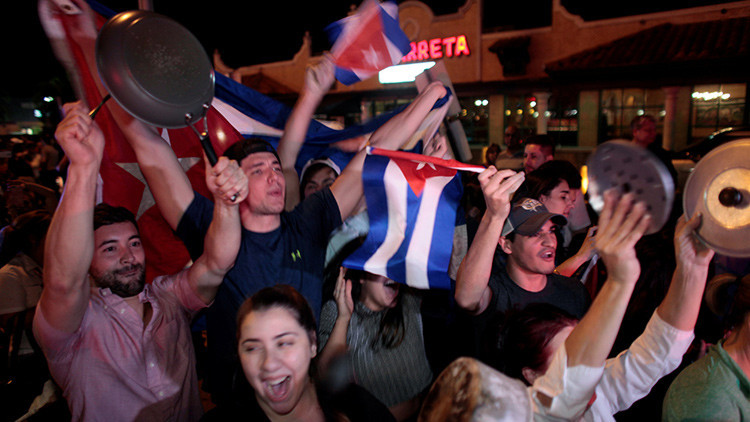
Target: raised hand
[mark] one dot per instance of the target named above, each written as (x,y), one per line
(437,147)
(320,77)
(498,187)
(621,224)
(226,181)
(689,250)
(79,136)
(342,293)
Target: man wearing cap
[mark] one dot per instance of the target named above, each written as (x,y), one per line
(525,232)
(278,246)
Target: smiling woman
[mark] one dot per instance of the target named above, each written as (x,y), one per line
(277,342)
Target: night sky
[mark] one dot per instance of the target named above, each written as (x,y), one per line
(253,32)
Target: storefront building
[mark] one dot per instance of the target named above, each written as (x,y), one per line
(579,81)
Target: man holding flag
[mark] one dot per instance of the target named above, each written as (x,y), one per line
(277,246)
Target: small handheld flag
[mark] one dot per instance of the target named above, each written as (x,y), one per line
(367,42)
(411,203)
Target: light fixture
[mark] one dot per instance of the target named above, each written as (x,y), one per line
(401,73)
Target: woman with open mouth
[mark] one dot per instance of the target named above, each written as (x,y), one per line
(377,323)
(277,343)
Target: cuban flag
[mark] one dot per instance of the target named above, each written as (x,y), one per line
(237,111)
(367,42)
(411,203)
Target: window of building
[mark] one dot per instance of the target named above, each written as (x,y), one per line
(475,118)
(520,112)
(562,118)
(716,107)
(620,106)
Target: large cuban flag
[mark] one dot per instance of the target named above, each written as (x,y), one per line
(237,111)
(411,203)
(367,42)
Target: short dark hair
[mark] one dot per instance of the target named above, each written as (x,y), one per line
(638,121)
(241,149)
(283,296)
(105,214)
(544,141)
(545,178)
(524,334)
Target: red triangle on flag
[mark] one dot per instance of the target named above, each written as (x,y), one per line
(367,51)
(417,172)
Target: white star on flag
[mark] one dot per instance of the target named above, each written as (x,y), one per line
(147,200)
(421,165)
(372,57)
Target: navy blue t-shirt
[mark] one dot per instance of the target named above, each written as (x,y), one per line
(292,254)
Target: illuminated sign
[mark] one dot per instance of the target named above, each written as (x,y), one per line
(403,72)
(438,48)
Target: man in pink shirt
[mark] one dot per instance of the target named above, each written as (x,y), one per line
(119,348)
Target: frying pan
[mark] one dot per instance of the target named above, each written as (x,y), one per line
(157,71)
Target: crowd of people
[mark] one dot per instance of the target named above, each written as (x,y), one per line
(580,315)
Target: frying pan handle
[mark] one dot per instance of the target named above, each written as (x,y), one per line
(203,136)
(208,149)
(95,111)
(206,142)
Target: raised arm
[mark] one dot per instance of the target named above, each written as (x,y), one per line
(569,267)
(318,80)
(222,242)
(472,291)
(69,246)
(335,345)
(621,225)
(166,179)
(681,305)
(347,189)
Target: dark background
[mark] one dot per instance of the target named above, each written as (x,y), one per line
(252,32)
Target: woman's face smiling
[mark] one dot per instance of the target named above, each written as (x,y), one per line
(275,352)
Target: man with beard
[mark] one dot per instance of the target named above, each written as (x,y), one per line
(119,348)
(525,232)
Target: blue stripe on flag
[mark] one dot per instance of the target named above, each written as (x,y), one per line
(411,251)
(392,31)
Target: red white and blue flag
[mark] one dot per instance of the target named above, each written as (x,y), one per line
(236,112)
(367,42)
(412,201)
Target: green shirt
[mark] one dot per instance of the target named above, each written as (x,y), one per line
(713,388)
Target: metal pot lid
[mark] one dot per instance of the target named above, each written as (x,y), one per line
(622,165)
(155,68)
(718,188)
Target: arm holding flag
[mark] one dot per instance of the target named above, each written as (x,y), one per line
(347,189)
(318,80)
(472,289)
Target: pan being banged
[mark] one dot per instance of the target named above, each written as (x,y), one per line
(155,69)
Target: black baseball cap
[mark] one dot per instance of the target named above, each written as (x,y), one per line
(527,216)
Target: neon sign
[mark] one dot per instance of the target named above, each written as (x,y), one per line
(438,48)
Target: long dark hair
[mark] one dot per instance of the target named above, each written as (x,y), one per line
(728,296)
(392,329)
(283,296)
(524,335)
(541,181)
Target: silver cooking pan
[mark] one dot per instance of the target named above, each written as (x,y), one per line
(157,71)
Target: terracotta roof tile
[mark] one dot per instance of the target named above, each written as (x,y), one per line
(665,44)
